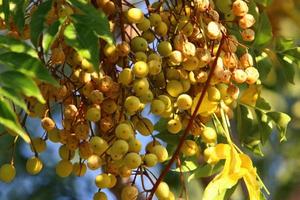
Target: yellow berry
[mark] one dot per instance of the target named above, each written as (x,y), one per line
(34,165)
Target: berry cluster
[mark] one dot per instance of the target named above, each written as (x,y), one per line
(170,58)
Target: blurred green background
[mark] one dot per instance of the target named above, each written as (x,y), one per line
(279,168)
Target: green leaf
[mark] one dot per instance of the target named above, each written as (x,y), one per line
(21,83)
(287,67)
(229,192)
(96,18)
(9,120)
(50,35)
(265,126)
(82,38)
(187,166)
(170,139)
(14,96)
(283,44)
(262,104)
(18,14)
(281,121)
(206,170)
(264,66)
(17,46)
(161,124)
(5,9)
(265,3)
(37,21)
(263,31)
(245,122)
(28,65)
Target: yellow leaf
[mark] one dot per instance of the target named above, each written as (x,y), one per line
(206,108)
(250,95)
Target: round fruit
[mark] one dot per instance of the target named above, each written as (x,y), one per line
(79,169)
(34,165)
(160,152)
(94,162)
(189,148)
(164,48)
(174,88)
(48,124)
(134,145)
(132,104)
(64,168)
(143,25)
(184,102)
(38,145)
(99,145)
(138,44)
(135,15)
(157,106)
(93,114)
(132,160)
(150,160)
(162,190)
(100,196)
(7,173)
(209,135)
(124,131)
(129,192)
(102,181)
(155,19)
(174,126)
(125,76)
(140,69)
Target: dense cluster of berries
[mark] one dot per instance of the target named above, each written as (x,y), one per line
(163,62)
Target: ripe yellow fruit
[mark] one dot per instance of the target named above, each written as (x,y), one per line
(113,180)
(174,126)
(252,75)
(34,165)
(157,106)
(109,106)
(64,168)
(150,160)
(147,96)
(140,69)
(124,131)
(100,196)
(102,181)
(132,104)
(79,169)
(140,56)
(209,135)
(189,148)
(65,153)
(239,8)
(99,145)
(94,162)
(154,67)
(160,152)
(174,88)
(48,124)
(129,192)
(248,35)
(125,76)
(96,97)
(184,102)
(132,160)
(175,58)
(162,190)
(134,145)
(135,15)
(93,114)
(191,63)
(164,48)
(38,144)
(7,173)
(151,145)
(213,30)
(247,21)
(110,50)
(148,36)
(213,94)
(138,44)
(53,135)
(119,147)
(166,99)
(141,86)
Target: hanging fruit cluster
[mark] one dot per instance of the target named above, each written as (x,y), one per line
(177,61)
